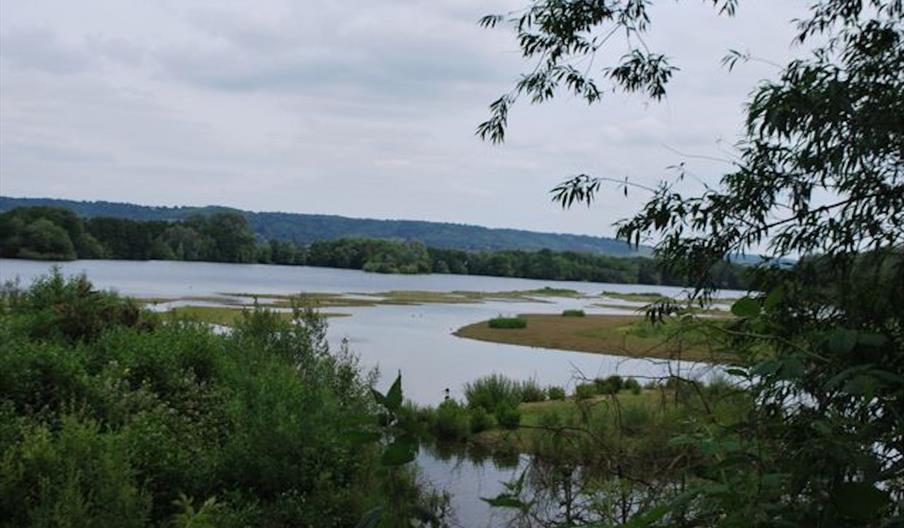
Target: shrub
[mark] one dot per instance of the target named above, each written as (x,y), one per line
(257,418)
(481,420)
(452,421)
(76,476)
(490,391)
(508,416)
(610,385)
(71,308)
(508,322)
(573,313)
(531,391)
(632,385)
(555,393)
(585,391)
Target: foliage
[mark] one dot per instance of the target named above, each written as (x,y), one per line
(555,393)
(632,385)
(817,175)
(507,322)
(610,385)
(508,416)
(481,420)
(110,421)
(70,309)
(573,313)
(453,421)
(531,391)
(490,391)
(584,391)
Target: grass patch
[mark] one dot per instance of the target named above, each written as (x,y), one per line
(224,316)
(507,323)
(646,297)
(622,335)
(573,313)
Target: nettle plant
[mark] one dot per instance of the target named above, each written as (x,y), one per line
(819,342)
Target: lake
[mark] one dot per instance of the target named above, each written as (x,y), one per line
(414,340)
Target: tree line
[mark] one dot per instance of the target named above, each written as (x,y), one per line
(51,233)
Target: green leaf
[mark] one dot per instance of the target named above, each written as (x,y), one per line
(378,396)
(746,307)
(773,299)
(400,452)
(860,500)
(393,399)
(841,341)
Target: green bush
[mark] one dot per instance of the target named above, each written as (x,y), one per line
(106,421)
(531,391)
(76,475)
(555,393)
(508,322)
(491,391)
(610,385)
(452,421)
(573,313)
(585,391)
(632,385)
(508,416)
(55,307)
(481,420)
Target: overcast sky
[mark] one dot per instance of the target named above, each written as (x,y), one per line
(358,108)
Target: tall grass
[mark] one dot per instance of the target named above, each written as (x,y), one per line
(489,392)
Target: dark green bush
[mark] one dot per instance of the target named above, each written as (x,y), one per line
(610,385)
(481,420)
(55,307)
(75,475)
(490,391)
(585,391)
(453,421)
(573,313)
(555,393)
(508,416)
(632,385)
(531,391)
(107,421)
(508,322)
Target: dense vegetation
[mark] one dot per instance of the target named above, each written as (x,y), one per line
(304,229)
(58,234)
(817,172)
(110,416)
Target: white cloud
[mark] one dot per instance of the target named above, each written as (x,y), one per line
(354,108)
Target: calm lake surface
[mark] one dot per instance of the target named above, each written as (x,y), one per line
(414,340)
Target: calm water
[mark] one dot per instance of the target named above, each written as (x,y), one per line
(414,340)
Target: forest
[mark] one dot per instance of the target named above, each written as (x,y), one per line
(51,233)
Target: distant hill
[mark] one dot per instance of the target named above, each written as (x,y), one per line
(306,228)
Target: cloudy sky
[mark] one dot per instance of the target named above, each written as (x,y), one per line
(363,109)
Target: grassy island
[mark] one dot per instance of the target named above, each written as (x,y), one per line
(623,335)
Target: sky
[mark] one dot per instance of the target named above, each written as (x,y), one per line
(357,108)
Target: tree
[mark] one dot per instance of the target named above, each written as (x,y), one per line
(44,240)
(821,343)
